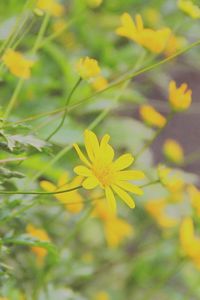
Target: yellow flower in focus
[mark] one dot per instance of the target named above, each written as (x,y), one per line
(189,242)
(189,8)
(116,229)
(157,210)
(94,3)
(194,195)
(171,179)
(50,6)
(17,64)
(151,116)
(102,171)
(67,198)
(88,68)
(173,151)
(153,40)
(42,236)
(102,296)
(179,98)
(99,83)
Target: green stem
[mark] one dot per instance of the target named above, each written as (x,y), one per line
(38,193)
(66,110)
(154,137)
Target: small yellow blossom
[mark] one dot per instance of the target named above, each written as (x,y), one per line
(88,68)
(116,229)
(99,83)
(189,8)
(173,151)
(94,3)
(189,242)
(174,44)
(50,6)
(157,209)
(41,235)
(66,198)
(101,296)
(153,40)
(194,195)
(17,64)
(179,98)
(102,171)
(151,116)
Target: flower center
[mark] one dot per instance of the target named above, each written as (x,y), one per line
(104,174)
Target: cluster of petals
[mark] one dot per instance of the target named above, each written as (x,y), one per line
(180,98)
(101,170)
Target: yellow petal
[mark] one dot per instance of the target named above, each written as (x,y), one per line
(124,161)
(130,175)
(91,143)
(82,171)
(130,187)
(124,196)
(90,183)
(111,199)
(64,178)
(81,155)
(47,186)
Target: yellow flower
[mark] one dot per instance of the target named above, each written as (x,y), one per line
(50,6)
(88,68)
(102,296)
(179,98)
(171,179)
(116,229)
(189,8)
(174,44)
(66,198)
(94,3)
(194,195)
(102,171)
(173,151)
(17,64)
(41,235)
(189,242)
(99,83)
(157,209)
(153,40)
(151,116)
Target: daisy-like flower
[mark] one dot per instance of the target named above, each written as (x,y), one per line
(50,6)
(67,198)
(189,8)
(17,64)
(153,40)
(151,116)
(173,151)
(41,235)
(88,68)
(101,170)
(180,98)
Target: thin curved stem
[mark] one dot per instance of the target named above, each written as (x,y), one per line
(66,110)
(39,193)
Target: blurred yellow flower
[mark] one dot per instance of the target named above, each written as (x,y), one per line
(179,98)
(99,83)
(188,7)
(157,209)
(101,296)
(50,6)
(42,236)
(17,64)
(189,242)
(94,3)
(173,151)
(67,198)
(194,195)
(174,44)
(153,40)
(116,229)
(88,68)
(151,116)
(102,171)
